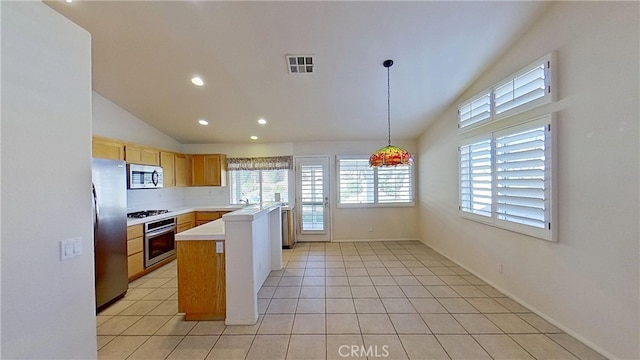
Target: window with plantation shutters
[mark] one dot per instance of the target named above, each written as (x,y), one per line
(475,178)
(522,91)
(361,185)
(475,111)
(529,87)
(522,194)
(394,184)
(356,181)
(507,179)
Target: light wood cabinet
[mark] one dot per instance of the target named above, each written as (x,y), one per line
(167,161)
(107,149)
(181,170)
(203,217)
(185,222)
(141,155)
(201,280)
(208,170)
(135,250)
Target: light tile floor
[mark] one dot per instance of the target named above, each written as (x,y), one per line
(387,300)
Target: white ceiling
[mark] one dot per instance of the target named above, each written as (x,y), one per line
(144,54)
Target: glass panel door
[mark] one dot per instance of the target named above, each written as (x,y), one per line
(313,198)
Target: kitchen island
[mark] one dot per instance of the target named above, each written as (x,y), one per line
(223,264)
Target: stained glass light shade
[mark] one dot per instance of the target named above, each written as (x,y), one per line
(390,155)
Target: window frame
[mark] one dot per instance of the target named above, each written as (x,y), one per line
(549,96)
(285,198)
(375,203)
(549,233)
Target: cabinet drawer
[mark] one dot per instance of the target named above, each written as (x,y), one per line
(208,215)
(136,264)
(184,226)
(134,231)
(185,218)
(134,246)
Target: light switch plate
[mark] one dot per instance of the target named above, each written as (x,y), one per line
(70,248)
(219,247)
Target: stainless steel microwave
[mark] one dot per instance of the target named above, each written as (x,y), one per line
(144,176)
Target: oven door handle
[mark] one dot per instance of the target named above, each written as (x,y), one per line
(160,232)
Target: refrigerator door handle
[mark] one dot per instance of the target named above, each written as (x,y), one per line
(96,211)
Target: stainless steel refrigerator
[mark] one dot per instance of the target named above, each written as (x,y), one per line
(110,229)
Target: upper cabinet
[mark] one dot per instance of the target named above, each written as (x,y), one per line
(141,155)
(167,161)
(107,149)
(181,170)
(208,170)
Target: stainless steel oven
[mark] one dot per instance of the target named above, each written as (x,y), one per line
(159,240)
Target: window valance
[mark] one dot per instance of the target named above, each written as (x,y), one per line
(260,163)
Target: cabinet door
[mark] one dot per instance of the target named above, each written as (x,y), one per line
(212,175)
(209,170)
(181,173)
(106,149)
(136,264)
(140,155)
(167,161)
(198,170)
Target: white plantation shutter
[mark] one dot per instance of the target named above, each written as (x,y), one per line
(475,111)
(312,197)
(360,184)
(394,184)
(356,181)
(522,194)
(507,179)
(527,87)
(475,178)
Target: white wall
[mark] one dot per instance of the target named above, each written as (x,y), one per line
(391,223)
(48,306)
(110,120)
(587,283)
(386,223)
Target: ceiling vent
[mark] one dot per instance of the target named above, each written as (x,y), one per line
(300,64)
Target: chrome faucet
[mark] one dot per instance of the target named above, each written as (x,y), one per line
(244,201)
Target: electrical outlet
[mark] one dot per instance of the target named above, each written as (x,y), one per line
(219,247)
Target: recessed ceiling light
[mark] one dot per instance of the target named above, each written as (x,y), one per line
(262,121)
(253,137)
(68,1)
(197,81)
(203,122)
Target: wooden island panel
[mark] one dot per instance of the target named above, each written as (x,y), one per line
(201,280)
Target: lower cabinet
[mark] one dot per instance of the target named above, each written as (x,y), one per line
(185,222)
(201,280)
(203,217)
(135,250)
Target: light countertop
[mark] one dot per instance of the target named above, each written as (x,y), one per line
(213,230)
(187,209)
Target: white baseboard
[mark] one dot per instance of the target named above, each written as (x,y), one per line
(533,309)
(374,240)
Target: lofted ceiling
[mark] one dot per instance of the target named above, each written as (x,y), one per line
(145,53)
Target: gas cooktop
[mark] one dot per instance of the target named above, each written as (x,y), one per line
(146,213)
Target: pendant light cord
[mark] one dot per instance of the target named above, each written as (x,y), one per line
(388,105)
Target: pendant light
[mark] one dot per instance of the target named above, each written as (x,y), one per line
(390,155)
